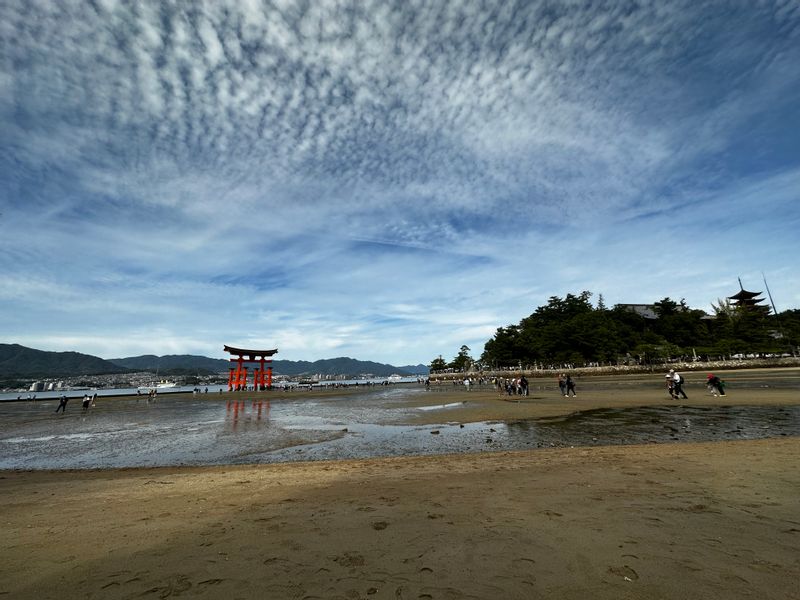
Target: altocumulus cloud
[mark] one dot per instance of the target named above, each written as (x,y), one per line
(385,180)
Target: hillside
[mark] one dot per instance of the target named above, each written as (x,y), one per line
(16,360)
(172,362)
(329,366)
(337,366)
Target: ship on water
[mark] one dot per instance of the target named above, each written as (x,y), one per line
(161,385)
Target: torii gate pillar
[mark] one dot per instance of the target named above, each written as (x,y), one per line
(237,378)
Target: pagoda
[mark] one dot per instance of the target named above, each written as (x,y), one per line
(749,301)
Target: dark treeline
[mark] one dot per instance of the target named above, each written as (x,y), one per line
(570,330)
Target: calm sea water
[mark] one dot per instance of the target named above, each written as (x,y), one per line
(212,389)
(205,430)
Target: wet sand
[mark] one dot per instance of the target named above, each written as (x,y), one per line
(681,520)
(463,407)
(661,521)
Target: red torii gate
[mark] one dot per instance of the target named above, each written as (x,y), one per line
(262,379)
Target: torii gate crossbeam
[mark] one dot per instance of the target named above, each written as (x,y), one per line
(262,376)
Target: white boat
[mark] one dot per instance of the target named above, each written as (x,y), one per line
(394,377)
(161,385)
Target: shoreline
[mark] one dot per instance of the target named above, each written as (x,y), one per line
(445,380)
(329,425)
(124,393)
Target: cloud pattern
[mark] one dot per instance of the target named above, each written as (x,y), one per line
(386,180)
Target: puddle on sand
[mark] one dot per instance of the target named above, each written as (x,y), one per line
(657,424)
(127,433)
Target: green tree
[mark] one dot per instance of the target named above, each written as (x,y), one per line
(723,307)
(569,329)
(666,307)
(743,329)
(502,350)
(463,360)
(787,324)
(438,364)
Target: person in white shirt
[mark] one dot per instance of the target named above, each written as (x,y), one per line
(677,389)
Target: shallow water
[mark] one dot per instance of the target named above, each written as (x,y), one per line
(204,431)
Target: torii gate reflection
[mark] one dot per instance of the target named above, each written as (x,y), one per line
(262,375)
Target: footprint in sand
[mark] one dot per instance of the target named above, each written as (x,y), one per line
(350,559)
(380,525)
(764,565)
(625,572)
(522,562)
(175,587)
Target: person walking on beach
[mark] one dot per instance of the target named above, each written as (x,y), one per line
(523,385)
(715,383)
(62,403)
(670,385)
(570,386)
(87,399)
(677,379)
(562,384)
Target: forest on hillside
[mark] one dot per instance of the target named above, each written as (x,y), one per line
(571,330)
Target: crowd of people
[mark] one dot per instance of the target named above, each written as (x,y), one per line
(519,386)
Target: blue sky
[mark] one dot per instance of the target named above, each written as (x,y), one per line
(386,181)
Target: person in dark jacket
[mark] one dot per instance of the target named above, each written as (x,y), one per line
(715,383)
(678,385)
(62,404)
(570,386)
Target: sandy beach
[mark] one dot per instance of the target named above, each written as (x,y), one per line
(679,520)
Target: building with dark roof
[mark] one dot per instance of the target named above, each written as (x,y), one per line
(747,300)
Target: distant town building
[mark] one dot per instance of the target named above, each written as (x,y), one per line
(648,311)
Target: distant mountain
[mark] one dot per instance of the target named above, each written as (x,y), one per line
(335,366)
(16,360)
(172,362)
(416,369)
(291,368)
